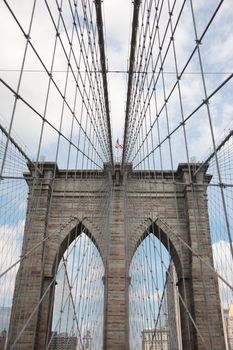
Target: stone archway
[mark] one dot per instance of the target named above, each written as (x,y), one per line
(51,265)
(171,246)
(69,198)
(77,308)
(153,297)
(46,236)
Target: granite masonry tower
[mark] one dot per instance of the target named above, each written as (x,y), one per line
(167,204)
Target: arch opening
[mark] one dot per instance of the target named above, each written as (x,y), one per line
(78,296)
(154,307)
(72,236)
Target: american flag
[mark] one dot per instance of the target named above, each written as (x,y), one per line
(118,145)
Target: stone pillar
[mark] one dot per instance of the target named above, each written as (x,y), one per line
(201,285)
(116,317)
(197,284)
(46,316)
(186,308)
(173,304)
(26,309)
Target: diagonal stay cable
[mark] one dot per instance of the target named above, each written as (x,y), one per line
(19,148)
(179,76)
(187,118)
(46,70)
(131,70)
(99,20)
(50,124)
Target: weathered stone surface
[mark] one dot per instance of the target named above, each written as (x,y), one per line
(117,208)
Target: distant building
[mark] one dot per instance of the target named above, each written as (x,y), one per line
(228,318)
(5,313)
(155,339)
(3,335)
(63,341)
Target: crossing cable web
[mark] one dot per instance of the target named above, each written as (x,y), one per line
(54,93)
(175,110)
(12,216)
(220,216)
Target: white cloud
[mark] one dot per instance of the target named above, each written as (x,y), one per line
(117,23)
(117,19)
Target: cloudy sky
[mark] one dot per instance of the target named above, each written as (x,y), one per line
(27,125)
(217,58)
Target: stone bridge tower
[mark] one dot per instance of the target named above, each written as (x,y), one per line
(166,204)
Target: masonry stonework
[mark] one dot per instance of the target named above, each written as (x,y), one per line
(64,203)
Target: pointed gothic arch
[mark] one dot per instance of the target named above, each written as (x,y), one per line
(169,242)
(117,236)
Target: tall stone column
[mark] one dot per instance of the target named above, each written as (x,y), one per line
(201,285)
(116,280)
(25,315)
